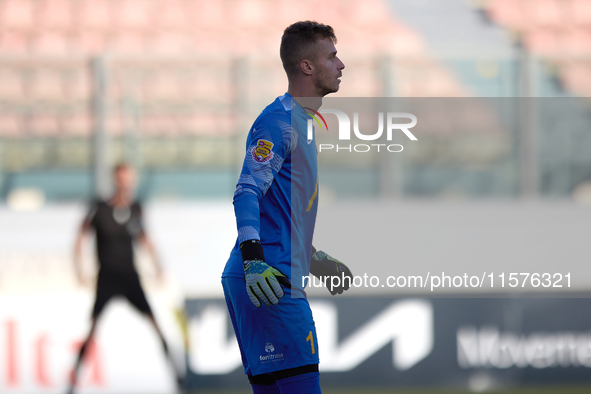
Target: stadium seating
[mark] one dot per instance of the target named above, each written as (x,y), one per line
(11,125)
(55,15)
(558,31)
(94,15)
(17,15)
(212,44)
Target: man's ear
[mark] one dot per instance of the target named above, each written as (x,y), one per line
(306,67)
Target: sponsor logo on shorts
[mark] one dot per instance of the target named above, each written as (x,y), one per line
(271,357)
(269,348)
(262,151)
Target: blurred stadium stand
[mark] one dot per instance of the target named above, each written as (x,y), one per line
(558,31)
(172,86)
(185,78)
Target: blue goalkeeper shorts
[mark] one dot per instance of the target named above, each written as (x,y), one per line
(271,338)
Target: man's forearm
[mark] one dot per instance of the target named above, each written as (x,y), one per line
(147,243)
(77,258)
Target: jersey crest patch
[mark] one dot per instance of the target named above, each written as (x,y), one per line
(262,151)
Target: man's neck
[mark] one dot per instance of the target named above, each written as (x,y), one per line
(305,95)
(121,199)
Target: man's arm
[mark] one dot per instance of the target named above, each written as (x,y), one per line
(147,243)
(268,143)
(81,240)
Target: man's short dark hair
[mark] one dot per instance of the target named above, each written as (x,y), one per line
(123,165)
(298,43)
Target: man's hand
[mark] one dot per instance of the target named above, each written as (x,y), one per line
(263,282)
(160,275)
(337,277)
(81,281)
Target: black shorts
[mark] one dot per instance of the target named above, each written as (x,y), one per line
(126,284)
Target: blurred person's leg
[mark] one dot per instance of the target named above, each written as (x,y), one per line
(134,292)
(81,353)
(106,288)
(157,328)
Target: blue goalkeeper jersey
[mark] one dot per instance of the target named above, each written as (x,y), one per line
(276,198)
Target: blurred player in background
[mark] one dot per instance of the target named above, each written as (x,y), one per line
(275,202)
(117,223)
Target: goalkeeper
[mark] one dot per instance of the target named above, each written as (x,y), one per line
(275,202)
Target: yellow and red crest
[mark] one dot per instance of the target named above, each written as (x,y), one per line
(262,151)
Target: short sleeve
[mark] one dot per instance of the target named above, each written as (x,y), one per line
(140,218)
(91,213)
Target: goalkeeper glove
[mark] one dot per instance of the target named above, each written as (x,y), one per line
(336,276)
(263,282)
